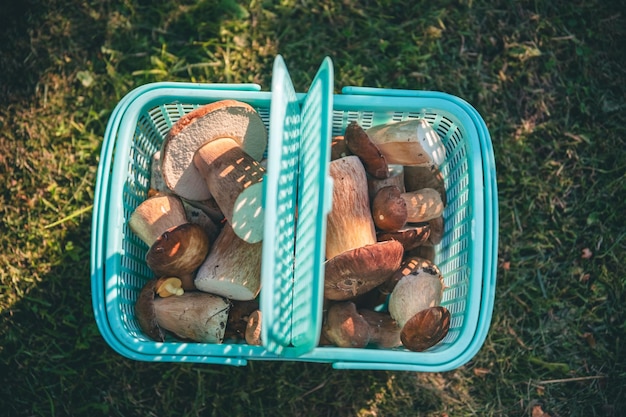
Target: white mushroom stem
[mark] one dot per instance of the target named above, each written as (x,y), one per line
(409,142)
(349,223)
(234,179)
(423,205)
(155,215)
(195,316)
(232,269)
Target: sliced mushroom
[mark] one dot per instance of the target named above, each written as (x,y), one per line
(355,272)
(389,209)
(349,223)
(361,145)
(232,268)
(345,327)
(426,328)
(214,151)
(409,142)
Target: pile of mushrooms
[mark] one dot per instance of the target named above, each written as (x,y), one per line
(203,223)
(381,286)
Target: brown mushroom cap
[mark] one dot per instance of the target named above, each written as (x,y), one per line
(360,145)
(145,312)
(389,209)
(222,119)
(426,328)
(178,251)
(345,327)
(360,270)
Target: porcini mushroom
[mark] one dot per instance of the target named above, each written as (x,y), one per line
(426,328)
(192,315)
(176,247)
(408,142)
(349,223)
(357,271)
(389,209)
(232,268)
(345,327)
(423,205)
(361,145)
(414,293)
(214,151)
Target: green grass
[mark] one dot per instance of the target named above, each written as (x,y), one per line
(549,79)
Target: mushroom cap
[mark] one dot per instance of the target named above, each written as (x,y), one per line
(345,327)
(362,146)
(179,250)
(225,118)
(360,270)
(426,328)
(389,209)
(146,313)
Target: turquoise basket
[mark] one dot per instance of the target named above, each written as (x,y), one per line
(300,128)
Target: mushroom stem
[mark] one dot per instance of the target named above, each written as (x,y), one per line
(195,316)
(349,223)
(233,267)
(423,205)
(234,179)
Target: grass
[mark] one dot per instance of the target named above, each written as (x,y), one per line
(548,78)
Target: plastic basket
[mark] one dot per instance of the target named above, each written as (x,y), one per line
(300,127)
